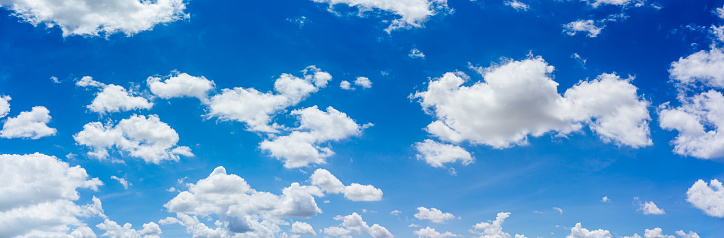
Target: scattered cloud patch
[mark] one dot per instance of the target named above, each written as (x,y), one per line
(112,229)
(353,224)
(411,13)
(707,197)
(346,85)
(519,6)
(355,192)
(302,146)
(433,214)
(558,209)
(4,105)
(122,181)
(432,233)
(256,109)
(605,199)
(518,99)
(30,125)
(142,137)
(580,232)
(437,154)
(493,229)
(363,82)
(593,28)
(415,53)
(88,18)
(112,98)
(303,228)
(43,190)
(180,85)
(698,125)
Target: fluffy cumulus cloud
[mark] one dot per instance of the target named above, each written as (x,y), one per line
(90,17)
(240,208)
(411,13)
(433,214)
(432,233)
(113,230)
(244,211)
(353,224)
(707,197)
(143,137)
(658,233)
(698,121)
(256,109)
(518,99)
(37,197)
(32,124)
(112,98)
(580,232)
(355,192)
(649,208)
(180,85)
(302,146)
(436,154)
(706,67)
(4,106)
(593,28)
(303,228)
(494,229)
(363,82)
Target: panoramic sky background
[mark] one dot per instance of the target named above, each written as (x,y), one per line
(362,118)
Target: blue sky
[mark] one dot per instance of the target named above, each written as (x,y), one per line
(365,118)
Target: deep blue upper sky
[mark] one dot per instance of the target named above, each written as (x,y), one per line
(250,44)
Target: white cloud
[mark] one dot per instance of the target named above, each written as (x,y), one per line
(412,13)
(432,233)
(706,67)
(32,124)
(363,82)
(649,208)
(4,106)
(38,194)
(54,79)
(89,17)
(301,147)
(658,233)
(707,197)
(433,214)
(698,122)
(355,192)
(436,154)
(415,53)
(328,182)
(346,85)
(122,181)
(255,108)
(112,98)
(147,138)
(579,232)
(605,199)
(583,26)
(597,3)
(240,208)
(359,192)
(303,228)
(720,12)
(353,224)
(517,5)
(519,98)
(494,229)
(112,229)
(558,209)
(180,85)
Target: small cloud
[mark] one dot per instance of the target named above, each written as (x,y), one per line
(413,225)
(415,53)
(579,59)
(649,208)
(605,199)
(54,79)
(299,21)
(538,212)
(363,82)
(519,6)
(122,181)
(589,26)
(346,85)
(171,189)
(558,209)
(395,212)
